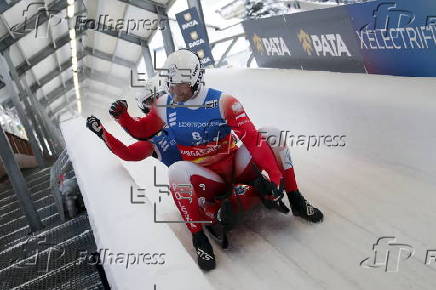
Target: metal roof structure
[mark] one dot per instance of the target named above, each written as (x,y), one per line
(111,38)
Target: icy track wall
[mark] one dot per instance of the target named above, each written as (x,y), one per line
(396,37)
(136,252)
(380,183)
(390,120)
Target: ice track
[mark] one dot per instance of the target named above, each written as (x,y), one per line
(381,183)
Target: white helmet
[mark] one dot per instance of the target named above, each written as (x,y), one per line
(154,88)
(183,66)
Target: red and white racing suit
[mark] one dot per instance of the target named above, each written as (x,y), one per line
(215,174)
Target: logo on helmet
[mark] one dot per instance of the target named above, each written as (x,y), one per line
(195,70)
(172,70)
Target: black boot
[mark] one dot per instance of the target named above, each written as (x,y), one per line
(302,208)
(206,257)
(218,233)
(226,216)
(226,220)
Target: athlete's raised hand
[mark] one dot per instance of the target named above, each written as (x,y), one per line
(118,108)
(94,124)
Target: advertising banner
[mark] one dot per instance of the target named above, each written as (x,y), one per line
(269,41)
(194,34)
(315,40)
(396,37)
(323,40)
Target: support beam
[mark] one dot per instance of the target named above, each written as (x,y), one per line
(57,93)
(46,133)
(93,90)
(55,73)
(52,134)
(50,131)
(21,113)
(30,24)
(148,60)
(164,25)
(103,77)
(47,51)
(221,62)
(56,115)
(6,5)
(119,31)
(143,4)
(70,101)
(250,59)
(65,104)
(122,35)
(36,125)
(164,9)
(18,183)
(88,73)
(108,57)
(58,64)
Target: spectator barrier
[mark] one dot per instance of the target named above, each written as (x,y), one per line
(395,37)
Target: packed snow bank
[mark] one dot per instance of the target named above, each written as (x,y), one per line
(137,253)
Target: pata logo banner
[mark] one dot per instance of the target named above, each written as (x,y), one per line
(314,40)
(194,34)
(396,37)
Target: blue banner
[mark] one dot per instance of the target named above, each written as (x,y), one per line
(396,37)
(194,34)
(323,39)
(269,42)
(391,37)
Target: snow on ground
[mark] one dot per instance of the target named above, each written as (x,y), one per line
(381,183)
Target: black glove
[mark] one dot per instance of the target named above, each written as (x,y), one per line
(94,124)
(268,188)
(117,108)
(271,194)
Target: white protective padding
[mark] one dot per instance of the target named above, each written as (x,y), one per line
(122,227)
